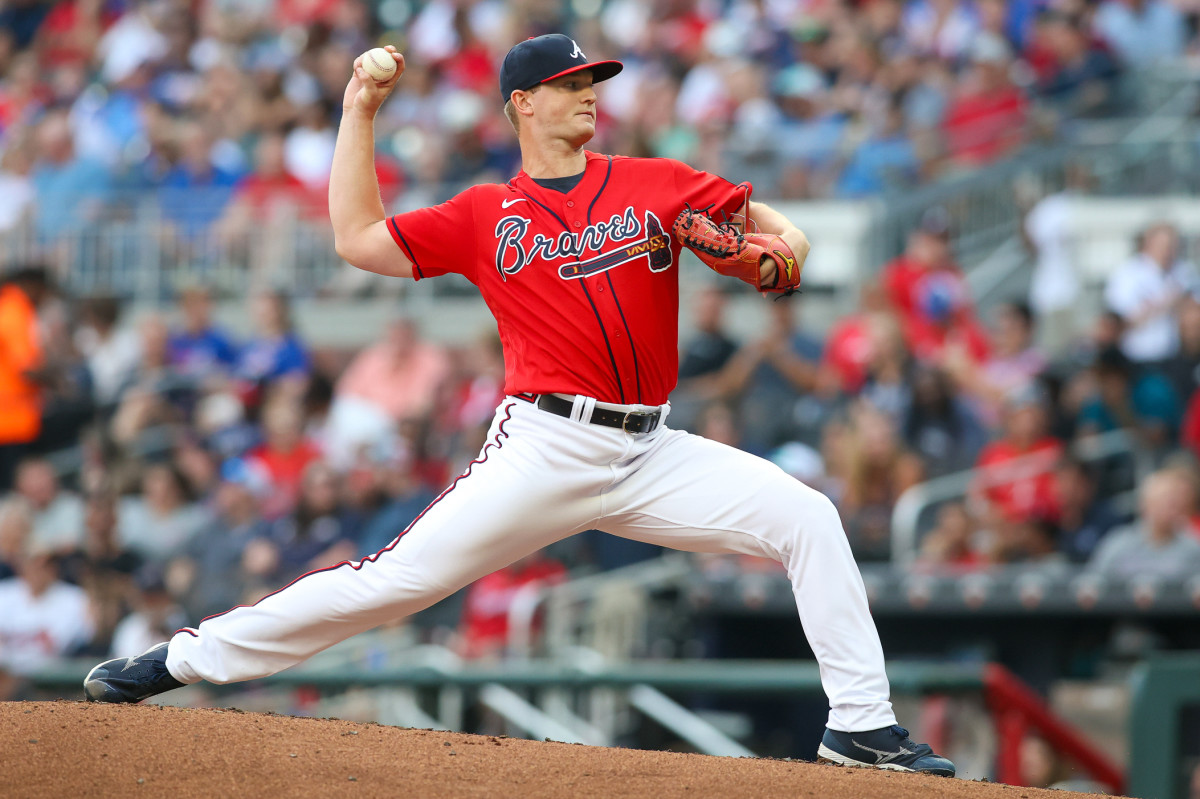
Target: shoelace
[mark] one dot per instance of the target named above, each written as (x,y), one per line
(917,749)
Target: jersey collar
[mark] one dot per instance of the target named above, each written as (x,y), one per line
(593,175)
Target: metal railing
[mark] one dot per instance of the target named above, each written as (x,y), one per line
(912,505)
(566,604)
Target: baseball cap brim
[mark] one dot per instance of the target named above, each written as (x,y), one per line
(601,70)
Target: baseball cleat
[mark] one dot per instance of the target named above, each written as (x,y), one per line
(889,748)
(131,679)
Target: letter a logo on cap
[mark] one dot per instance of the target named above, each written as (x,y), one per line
(577,53)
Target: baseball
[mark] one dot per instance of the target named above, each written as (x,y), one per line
(379,64)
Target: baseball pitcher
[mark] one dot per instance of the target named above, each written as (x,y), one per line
(577,258)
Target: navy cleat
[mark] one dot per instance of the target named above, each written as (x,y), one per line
(888,748)
(131,679)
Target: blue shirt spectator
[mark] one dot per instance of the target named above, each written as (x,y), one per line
(199,348)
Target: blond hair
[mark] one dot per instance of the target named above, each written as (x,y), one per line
(510,110)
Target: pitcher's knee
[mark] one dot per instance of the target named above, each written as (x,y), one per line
(812,516)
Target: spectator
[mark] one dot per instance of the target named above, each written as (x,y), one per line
(407,496)
(940,28)
(1141,32)
(885,159)
(1125,400)
(102,568)
(1183,368)
(710,347)
(928,292)
(1083,517)
(283,457)
(44,618)
(396,379)
(888,385)
(276,351)
(21,294)
(199,349)
(210,572)
(767,374)
(16,526)
(950,543)
(195,191)
(1158,544)
(57,514)
(160,521)
(321,530)
(852,341)
(1081,77)
(484,627)
(113,353)
(71,189)
(1055,286)
(155,614)
(987,119)
(1016,479)
(308,148)
(16,189)
(1147,291)
(154,397)
(879,470)
(1013,363)
(939,426)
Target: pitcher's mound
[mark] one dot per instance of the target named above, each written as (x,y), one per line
(58,749)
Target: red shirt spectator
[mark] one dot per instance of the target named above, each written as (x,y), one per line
(848,351)
(988,118)
(282,458)
(1017,472)
(485,615)
(1023,492)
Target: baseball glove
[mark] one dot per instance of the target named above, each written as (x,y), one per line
(729,251)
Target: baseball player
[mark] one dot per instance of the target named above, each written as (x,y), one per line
(576,260)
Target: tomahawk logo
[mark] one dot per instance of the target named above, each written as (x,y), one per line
(513,253)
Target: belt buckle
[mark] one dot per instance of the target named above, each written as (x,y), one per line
(639,414)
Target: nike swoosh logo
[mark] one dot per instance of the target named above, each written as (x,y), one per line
(506,203)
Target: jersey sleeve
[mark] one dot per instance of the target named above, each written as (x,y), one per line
(439,239)
(703,190)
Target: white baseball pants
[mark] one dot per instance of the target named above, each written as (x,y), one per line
(538,479)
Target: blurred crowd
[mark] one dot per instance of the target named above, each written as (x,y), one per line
(159,470)
(226,112)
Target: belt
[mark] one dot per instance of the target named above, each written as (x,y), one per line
(629,421)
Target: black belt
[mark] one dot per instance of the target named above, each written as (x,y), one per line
(629,421)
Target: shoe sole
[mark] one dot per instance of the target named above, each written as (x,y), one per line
(830,757)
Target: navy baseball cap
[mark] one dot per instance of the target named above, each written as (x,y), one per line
(544,58)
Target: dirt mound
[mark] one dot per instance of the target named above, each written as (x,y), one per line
(57,749)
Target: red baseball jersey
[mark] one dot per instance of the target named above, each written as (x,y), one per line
(584,285)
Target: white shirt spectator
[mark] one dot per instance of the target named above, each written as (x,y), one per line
(1129,552)
(308,154)
(1140,37)
(128,44)
(945,37)
(1055,285)
(1140,284)
(112,361)
(60,525)
(35,630)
